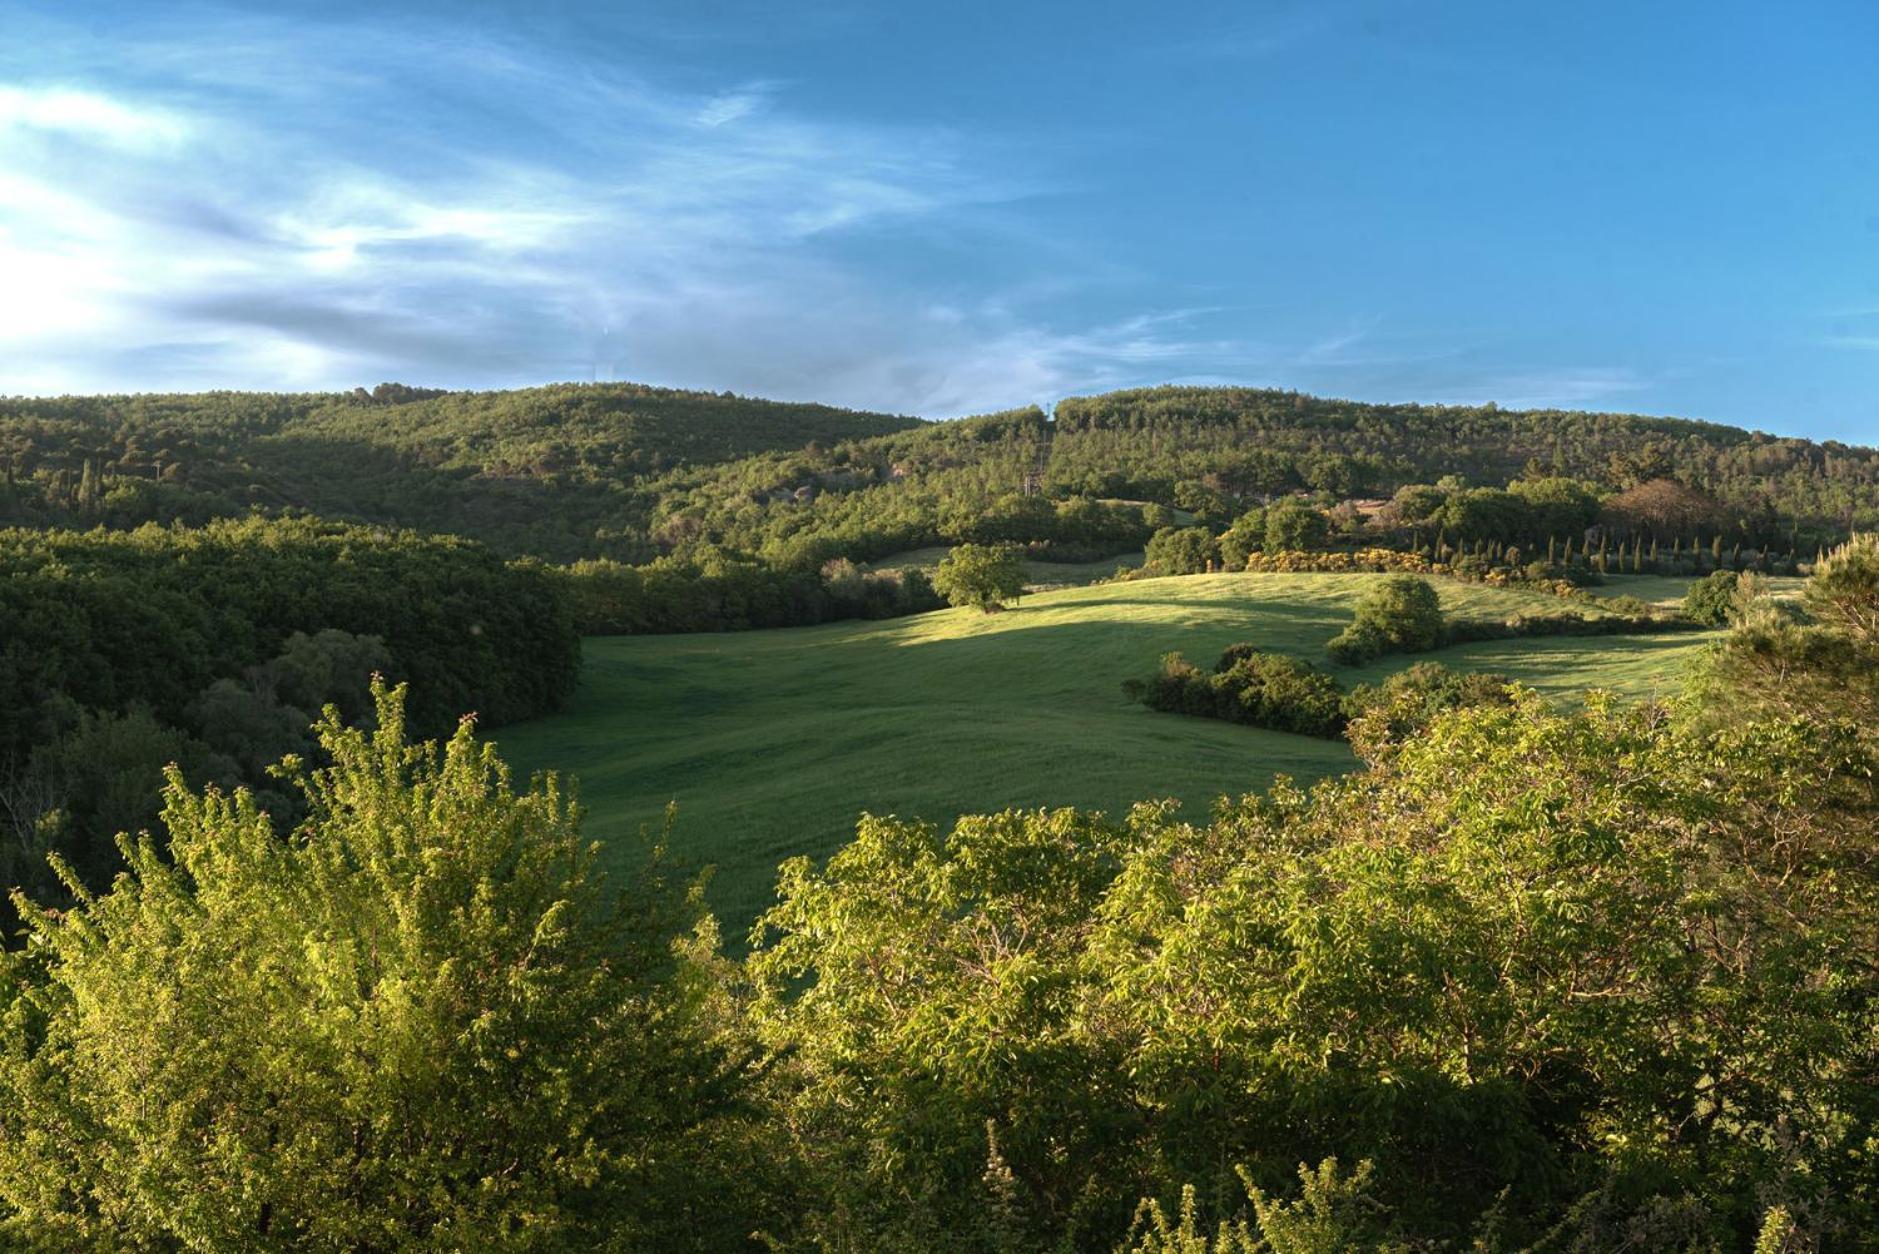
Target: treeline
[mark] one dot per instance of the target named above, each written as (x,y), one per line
(1247,443)
(1530,979)
(1535,529)
(216,647)
(719,593)
(632,474)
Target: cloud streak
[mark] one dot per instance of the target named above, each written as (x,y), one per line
(241,203)
(594,224)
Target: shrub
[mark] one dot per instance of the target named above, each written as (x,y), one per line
(1400,614)
(1540,967)
(1843,591)
(1356,644)
(1385,714)
(1709,598)
(1273,690)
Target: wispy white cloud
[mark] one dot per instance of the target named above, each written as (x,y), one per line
(249,205)
(728,107)
(88,115)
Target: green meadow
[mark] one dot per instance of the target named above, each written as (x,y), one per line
(771,743)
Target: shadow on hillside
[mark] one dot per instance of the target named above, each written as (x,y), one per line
(388,486)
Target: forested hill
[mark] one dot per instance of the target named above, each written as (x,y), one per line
(1146,439)
(635,473)
(540,471)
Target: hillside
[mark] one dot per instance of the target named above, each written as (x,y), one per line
(633,473)
(1219,451)
(545,471)
(773,742)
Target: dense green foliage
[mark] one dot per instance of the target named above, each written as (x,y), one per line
(1540,975)
(153,616)
(1287,694)
(1247,442)
(981,575)
(121,652)
(423,1020)
(546,471)
(1541,953)
(717,593)
(1710,598)
(1780,659)
(1399,614)
(1273,690)
(1181,551)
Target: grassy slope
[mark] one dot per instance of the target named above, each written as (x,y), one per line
(772,742)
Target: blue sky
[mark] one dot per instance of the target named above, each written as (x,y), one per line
(944,209)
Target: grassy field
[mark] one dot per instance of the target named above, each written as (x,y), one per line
(772,742)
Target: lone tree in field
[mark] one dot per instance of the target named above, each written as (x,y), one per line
(984,575)
(1399,614)
(424,1018)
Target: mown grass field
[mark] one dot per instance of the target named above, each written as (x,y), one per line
(772,742)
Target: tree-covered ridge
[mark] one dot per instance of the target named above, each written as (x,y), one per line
(547,471)
(1393,444)
(1217,452)
(634,473)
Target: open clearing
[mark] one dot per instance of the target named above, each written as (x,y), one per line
(772,742)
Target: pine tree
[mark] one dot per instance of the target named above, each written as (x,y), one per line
(88,493)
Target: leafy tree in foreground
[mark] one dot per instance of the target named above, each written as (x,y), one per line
(985,575)
(424,1020)
(1548,972)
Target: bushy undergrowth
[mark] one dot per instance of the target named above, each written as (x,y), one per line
(1283,693)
